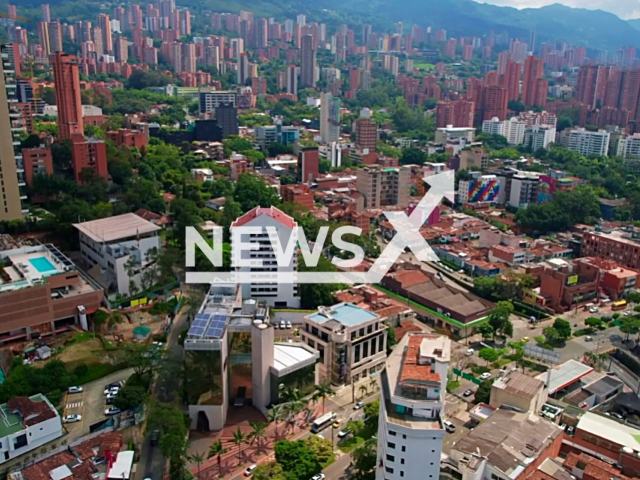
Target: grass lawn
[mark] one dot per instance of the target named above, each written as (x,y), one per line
(332,459)
(78,338)
(353,441)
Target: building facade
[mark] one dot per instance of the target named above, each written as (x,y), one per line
(384,186)
(67,84)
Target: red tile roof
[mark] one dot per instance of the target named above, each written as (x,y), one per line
(409,278)
(593,467)
(32,412)
(272,212)
(411,369)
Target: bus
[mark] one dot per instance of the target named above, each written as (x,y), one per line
(619,305)
(323,422)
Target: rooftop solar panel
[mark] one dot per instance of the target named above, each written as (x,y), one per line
(196,331)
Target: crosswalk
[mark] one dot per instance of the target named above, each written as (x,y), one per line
(519,323)
(74,405)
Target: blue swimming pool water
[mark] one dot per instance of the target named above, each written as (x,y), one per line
(42,264)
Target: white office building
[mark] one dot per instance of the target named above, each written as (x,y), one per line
(512,129)
(586,142)
(262,262)
(121,251)
(539,136)
(412,401)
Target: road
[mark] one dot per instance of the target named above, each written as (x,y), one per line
(164,389)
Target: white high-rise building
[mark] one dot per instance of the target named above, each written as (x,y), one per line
(539,136)
(263,261)
(329,118)
(629,150)
(412,401)
(512,129)
(586,142)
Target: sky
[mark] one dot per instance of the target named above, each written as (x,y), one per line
(623,8)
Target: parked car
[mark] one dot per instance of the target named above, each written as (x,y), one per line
(74,417)
(249,471)
(594,310)
(344,433)
(485,375)
(112,411)
(525,339)
(74,389)
(112,390)
(448,426)
(469,352)
(570,430)
(155,436)
(358,405)
(588,338)
(113,385)
(283,325)
(289,324)
(467,393)
(319,476)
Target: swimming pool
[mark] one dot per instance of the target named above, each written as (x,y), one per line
(42,264)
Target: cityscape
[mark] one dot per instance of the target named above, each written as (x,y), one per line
(464,174)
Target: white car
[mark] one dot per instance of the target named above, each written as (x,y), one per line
(111,391)
(74,417)
(594,310)
(282,325)
(485,375)
(344,433)
(74,389)
(249,471)
(448,426)
(469,352)
(319,476)
(358,405)
(289,324)
(112,411)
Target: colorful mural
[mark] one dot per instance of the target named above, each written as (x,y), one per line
(546,188)
(484,190)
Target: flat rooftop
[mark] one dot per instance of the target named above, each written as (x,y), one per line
(120,227)
(289,357)
(520,384)
(616,432)
(347,314)
(564,375)
(213,317)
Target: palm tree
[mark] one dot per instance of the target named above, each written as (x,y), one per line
(274,415)
(238,439)
(363,390)
(323,390)
(216,449)
(293,408)
(257,433)
(291,394)
(197,458)
(373,384)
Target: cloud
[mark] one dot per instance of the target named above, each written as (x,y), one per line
(623,8)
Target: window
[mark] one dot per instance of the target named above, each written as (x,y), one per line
(365,349)
(388,469)
(391,445)
(402,473)
(404,449)
(404,437)
(391,458)
(356,355)
(402,461)
(392,433)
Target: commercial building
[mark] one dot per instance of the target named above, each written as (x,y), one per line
(585,141)
(308,67)
(329,118)
(539,136)
(412,403)
(623,247)
(351,342)
(308,164)
(66,77)
(518,390)
(262,262)
(450,134)
(119,251)
(507,445)
(41,292)
(27,423)
(11,167)
(473,157)
(384,186)
(210,99)
(88,153)
(278,133)
(231,358)
(524,189)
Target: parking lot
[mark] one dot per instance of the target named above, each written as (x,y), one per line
(90,403)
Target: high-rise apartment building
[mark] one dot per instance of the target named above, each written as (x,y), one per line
(384,186)
(366,131)
(88,154)
(458,113)
(105,27)
(55,37)
(67,84)
(308,62)
(292,80)
(412,402)
(43,37)
(329,118)
(585,141)
(534,87)
(11,168)
(46,12)
(264,261)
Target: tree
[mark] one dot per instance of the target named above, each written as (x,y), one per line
(391,338)
(269,471)
(486,330)
(217,450)
(630,326)
(563,328)
(490,355)
(363,391)
(551,335)
(197,458)
(372,413)
(238,440)
(141,358)
(593,322)
(323,391)
(484,286)
(499,319)
(364,460)
(130,397)
(171,422)
(251,191)
(321,447)
(274,415)
(413,156)
(258,433)
(483,393)
(296,459)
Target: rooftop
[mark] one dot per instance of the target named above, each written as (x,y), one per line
(272,212)
(519,384)
(120,227)
(213,317)
(509,440)
(288,357)
(346,314)
(611,430)
(564,375)
(416,361)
